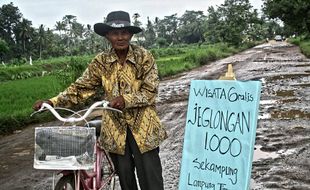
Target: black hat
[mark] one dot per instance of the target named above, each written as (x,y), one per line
(116,20)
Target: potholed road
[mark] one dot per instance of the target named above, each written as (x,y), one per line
(282,155)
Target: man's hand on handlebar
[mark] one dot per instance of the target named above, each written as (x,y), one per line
(38,104)
(117,103)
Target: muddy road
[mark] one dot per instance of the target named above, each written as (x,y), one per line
(282,150)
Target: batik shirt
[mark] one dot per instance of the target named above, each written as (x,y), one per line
(137,81)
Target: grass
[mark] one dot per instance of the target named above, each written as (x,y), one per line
(305,48)
(172,66)
(40,67)
(17,98)
(190,57)
(303,43)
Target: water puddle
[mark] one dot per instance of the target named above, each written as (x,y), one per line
(288,76)
(259,154)
(263,80)
(289,100)
(302,85)
(266,104)
(303,65)
(290,114)
(264,116)
(285,93)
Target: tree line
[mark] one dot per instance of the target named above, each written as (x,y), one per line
(234,22)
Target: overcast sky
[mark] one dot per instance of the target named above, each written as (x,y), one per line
(47,12)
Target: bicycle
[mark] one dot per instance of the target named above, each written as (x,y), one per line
(78,152)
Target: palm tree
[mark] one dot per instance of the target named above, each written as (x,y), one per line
(89,37)
(41,38)
(60,26)
(68,20)
(139,37)
(136,22)
(25,32)
(77,30)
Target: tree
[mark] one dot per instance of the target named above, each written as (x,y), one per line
(167,28)
(214,26)
(237,17)
(162,42)
(60,26)
(136,22)
(89,39)
(25,32)
(150,35)
(191,27)
(68,20)
(41,39)
(77,30)
(231,22)
(9,19)
(4,48)
(295,14)
(270,27)
(138,38)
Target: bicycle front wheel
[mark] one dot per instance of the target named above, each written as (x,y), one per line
(66,183)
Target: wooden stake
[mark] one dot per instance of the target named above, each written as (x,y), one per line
(229,75)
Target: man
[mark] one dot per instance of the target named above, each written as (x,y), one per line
(129,77)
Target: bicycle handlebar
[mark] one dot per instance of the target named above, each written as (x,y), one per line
(103,103)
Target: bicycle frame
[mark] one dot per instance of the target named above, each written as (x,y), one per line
(90,180)
(98,182)
(93,180)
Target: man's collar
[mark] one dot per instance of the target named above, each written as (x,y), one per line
(130,56)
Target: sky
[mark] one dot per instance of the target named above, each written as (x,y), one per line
(47,12)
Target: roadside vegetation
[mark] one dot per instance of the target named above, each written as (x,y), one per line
(17,94)
(303,43)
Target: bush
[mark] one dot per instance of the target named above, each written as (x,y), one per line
(20,72)
(164,52)
(305,48)
(40,67)
(209,53)
(303,43)
(71,72)
(295,41)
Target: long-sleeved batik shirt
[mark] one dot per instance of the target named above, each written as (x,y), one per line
(137,81)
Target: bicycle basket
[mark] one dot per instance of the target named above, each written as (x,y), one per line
(64,148)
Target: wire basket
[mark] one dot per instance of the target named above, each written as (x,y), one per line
(64,148)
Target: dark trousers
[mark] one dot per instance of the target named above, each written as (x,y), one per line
(148,166)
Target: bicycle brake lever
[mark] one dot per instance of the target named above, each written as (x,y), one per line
(38,111)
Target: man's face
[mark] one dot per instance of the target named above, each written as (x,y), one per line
(119,38)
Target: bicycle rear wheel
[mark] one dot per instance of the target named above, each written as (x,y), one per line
(66,183)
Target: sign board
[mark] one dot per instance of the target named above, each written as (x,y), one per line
(219,135)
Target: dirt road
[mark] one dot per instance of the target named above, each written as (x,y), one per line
(282,155)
